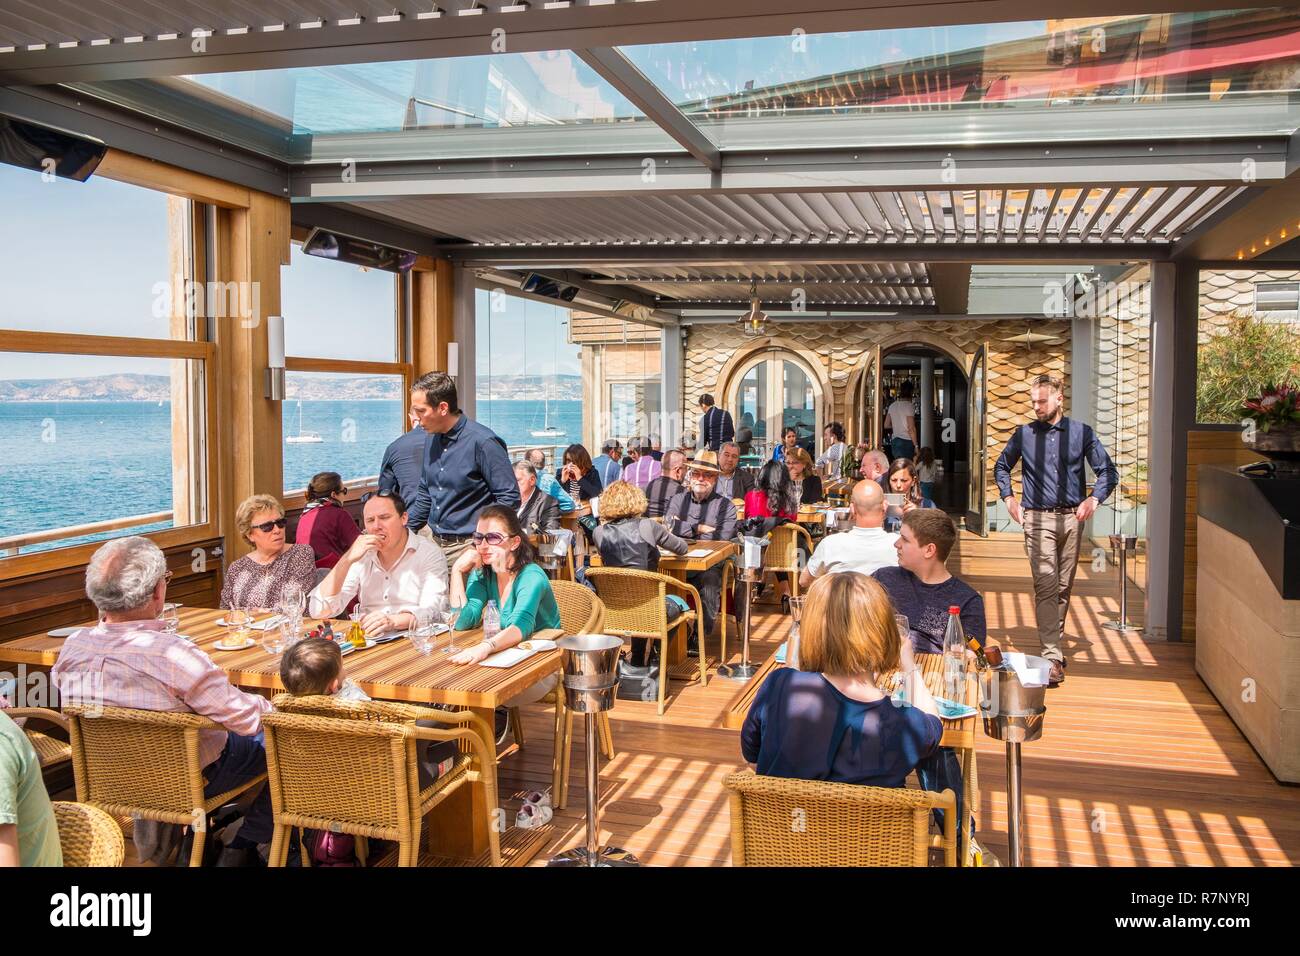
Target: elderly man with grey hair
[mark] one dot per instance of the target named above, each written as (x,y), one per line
(538,511)
(130,660)
(875,465)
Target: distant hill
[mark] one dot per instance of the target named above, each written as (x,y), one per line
(158,388)
(558,388)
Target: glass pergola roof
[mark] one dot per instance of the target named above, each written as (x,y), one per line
(1231,73)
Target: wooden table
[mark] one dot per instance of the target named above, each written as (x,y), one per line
(391,671)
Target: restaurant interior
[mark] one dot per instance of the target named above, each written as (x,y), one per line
(589,215)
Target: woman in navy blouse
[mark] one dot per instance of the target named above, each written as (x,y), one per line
(829,721)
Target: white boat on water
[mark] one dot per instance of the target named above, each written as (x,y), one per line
(303,438)
(547,430)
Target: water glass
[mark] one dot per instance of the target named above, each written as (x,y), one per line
(171,618)
(422,631)
(236,625)
(272,640)
(904,634)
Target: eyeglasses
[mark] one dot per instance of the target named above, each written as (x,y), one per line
(493,538)
(266,526)
(167,576)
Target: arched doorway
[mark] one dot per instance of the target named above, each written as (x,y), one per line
(952,425)
(772,388)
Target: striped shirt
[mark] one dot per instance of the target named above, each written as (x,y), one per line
(659,492)
(687,518)
(137,664)
(642,471)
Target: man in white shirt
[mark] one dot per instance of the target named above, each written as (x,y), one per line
(392,572)
(902,416)
(865,548)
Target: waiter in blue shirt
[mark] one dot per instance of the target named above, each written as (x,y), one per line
(466,469)
(1056,503)
(716,426)
(403,462)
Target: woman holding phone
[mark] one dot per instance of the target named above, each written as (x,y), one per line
(903,480)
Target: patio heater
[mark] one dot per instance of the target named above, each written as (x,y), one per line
(751,572)
(1124,544)
(590,676)
(1013,713)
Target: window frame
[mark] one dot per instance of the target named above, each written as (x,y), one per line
(296,498)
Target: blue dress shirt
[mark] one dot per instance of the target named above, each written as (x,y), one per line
(607,469)
(1051,464)
(404,463)
(466,470)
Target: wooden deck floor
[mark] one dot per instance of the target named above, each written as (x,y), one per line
(1138,764)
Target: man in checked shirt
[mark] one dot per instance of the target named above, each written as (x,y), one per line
(131,660)
(1052,451)
(701,514)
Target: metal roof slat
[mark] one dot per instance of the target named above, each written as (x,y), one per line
(1153,203)
(1189,217)
(1047,216)
(1119,217)
(1193,193)
(1031,195)
(1080,202)
(1102,204)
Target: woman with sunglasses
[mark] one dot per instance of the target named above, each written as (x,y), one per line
(257,579)
(502,567)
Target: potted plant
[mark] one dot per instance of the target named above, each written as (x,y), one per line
(1276,417)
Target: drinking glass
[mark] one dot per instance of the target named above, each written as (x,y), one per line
(422,631)
(171,618)
(358,615)
(904,634)
(792,647)
(272,640)
(451,617)
(236,626)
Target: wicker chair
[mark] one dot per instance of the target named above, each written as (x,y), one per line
(88,835)
(51,751)
(776,821)
(782,553)
(145,763)
(634,607)
(581,612)
(350,767)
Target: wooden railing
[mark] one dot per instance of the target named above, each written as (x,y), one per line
(15,543)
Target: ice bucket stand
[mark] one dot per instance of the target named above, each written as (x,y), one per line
(1123,544)
(1013,713)
(751,572)
(590,679)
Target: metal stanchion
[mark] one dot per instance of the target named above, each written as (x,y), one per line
(1013,713)
(751,565)
(590,668)
(1125,544)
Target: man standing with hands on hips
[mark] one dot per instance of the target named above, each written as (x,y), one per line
(1052,451)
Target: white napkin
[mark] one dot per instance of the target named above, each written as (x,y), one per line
(1030,676)
(698,553)
(509,657)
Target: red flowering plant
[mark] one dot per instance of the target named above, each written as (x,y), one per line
(1277,407)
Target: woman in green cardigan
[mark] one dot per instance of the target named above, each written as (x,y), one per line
(502,567)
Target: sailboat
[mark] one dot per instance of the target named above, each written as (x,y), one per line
(547,430)
(303,438)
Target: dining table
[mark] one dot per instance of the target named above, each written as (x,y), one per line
(395,671)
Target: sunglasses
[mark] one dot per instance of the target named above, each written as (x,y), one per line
(493,538)
(266,526)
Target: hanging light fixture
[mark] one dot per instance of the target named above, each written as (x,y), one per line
(753,322)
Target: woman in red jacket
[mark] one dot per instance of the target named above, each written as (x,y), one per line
(326,524)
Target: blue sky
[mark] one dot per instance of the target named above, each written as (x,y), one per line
(522,337)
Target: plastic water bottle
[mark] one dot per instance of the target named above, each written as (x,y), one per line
(491,621)
(954,657)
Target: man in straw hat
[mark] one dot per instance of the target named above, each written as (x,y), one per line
(699,513)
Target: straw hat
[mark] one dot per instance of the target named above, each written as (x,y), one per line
(706,460)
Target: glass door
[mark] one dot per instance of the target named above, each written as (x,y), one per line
(777,392)
(977,419)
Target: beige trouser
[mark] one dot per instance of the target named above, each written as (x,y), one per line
(1052,543)
(451,550)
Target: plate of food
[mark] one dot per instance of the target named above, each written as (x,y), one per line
(236,644)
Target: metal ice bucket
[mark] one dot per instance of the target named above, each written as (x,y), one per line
(589,663)
(751,552)
(1012,712)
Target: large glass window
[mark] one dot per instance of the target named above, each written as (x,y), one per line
(97,439)
(530,387)
(1247,339)
(344,391)
(779,393)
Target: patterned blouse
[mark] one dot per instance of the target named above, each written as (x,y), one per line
(249,584)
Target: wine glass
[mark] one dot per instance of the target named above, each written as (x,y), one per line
(451,616)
